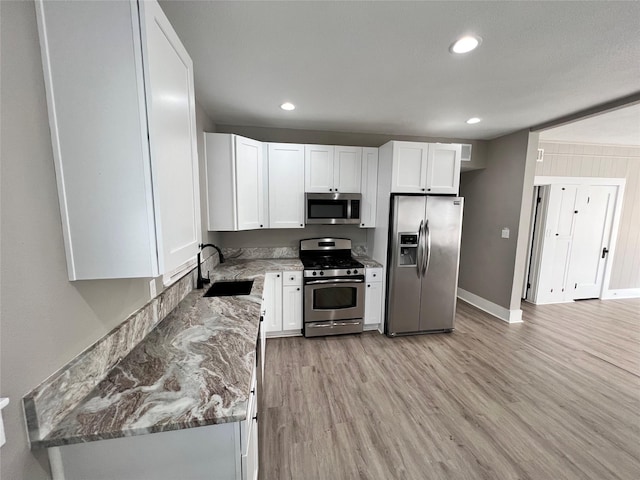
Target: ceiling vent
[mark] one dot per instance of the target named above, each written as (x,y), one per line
(466,153)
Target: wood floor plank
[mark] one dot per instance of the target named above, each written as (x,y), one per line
(556,397)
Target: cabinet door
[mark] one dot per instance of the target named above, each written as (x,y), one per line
(98,126)
(292,308)
(369,187)
(249,184)
(347,169)
(172,139)
(443,172)
(286,185)
(250,458)
(318,168)
(272,293)
(373,304)
(409,167)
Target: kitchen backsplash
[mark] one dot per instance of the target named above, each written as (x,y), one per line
(276,252)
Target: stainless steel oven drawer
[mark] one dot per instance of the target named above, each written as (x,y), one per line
(333,327)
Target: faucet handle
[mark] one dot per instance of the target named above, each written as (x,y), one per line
(206,280)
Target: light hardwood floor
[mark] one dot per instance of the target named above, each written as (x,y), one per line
(556,397)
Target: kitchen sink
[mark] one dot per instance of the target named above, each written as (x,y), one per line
(229,288)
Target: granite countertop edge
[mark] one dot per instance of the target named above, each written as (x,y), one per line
(226,328)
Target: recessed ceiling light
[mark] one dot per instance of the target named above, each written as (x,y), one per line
(288,106)
(465,44)
(473,120)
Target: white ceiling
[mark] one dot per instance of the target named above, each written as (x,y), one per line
(385,67)
(618,127)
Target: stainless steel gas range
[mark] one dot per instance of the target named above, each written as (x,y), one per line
(333,287)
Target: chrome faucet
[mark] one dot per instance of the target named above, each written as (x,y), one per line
(201,282)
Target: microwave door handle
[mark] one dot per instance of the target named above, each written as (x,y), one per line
(419,253)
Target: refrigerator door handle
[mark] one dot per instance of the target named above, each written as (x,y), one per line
(420,254)
(427,236)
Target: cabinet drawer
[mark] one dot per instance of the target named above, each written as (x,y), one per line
(292,278)
(373,275)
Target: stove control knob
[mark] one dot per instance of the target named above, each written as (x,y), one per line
(315,273)
(355,272)
(321,273)
(348,272)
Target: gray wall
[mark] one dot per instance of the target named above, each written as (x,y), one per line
(45,319)
(498,196)
(292,135)
(605,161)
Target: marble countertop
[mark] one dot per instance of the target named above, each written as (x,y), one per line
(193,369)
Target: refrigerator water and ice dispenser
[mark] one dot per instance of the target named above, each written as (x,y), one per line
(408,245)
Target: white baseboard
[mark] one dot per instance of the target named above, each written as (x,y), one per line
(371,327)
(504,314)
(621,293)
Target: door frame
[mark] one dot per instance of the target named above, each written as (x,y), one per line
(620,184)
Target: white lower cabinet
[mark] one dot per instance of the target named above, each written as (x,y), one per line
(374,298)
(227,451)
(272,298)
(292,308)
(283,303)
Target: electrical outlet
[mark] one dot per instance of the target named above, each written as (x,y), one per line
(152,288)
(505,232)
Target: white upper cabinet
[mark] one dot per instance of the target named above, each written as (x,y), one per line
(347,169)
(121,107)
(318,168)
(409,174)
(172,132)
(235,183)
(425,168)
(443,170)
(369,187)
(330,169)
(249,174)
(286,185)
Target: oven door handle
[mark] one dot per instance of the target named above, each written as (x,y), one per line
(336,280)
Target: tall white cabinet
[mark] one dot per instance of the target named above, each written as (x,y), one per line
(121,106)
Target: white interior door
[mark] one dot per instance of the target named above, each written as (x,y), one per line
(556,247)
(591,237)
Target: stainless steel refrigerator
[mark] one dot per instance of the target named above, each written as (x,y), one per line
(423,260)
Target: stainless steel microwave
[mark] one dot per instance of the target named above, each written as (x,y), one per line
(332,208)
